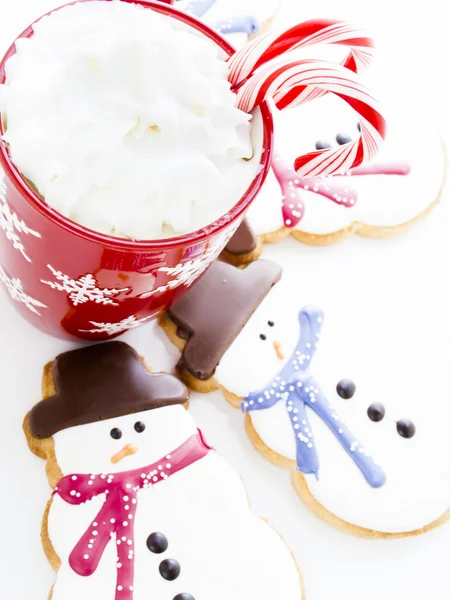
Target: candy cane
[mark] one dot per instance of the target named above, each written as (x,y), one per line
(285,82)
(272,46)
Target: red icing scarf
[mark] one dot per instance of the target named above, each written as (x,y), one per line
(115,520)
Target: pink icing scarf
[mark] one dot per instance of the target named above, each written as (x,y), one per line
(115,520)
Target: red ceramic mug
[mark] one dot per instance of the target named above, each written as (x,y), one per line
(70,281)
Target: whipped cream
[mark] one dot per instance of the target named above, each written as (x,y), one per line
(124,121)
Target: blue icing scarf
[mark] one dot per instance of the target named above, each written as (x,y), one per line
(238,24)
(295,386)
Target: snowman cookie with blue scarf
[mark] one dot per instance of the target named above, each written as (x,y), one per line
(342,413)
(237,20)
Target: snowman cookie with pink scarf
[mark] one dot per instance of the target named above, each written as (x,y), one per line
(142,506)
(380,199)
(323,396)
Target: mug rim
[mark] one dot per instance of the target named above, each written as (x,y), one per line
(115,242)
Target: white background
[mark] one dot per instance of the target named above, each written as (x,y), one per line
(414,47)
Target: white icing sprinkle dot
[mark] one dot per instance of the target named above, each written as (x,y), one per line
(74,477)
(129,542)
(125,523)
(112,521)
(128,486)
(72,493)
(90,546)
(126,507)
(125,498)
(95,532)
(119,588)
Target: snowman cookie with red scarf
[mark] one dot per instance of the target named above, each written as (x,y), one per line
(324,394)
(142,507)
(380,199)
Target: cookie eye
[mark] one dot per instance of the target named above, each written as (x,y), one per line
(376,412)
(263,337)
(346,389)
(322,145)
(343,138)
(115,433)
(270,323)
(406,428)
(139,427)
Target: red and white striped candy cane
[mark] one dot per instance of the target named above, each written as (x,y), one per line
(285,82)
(272,46)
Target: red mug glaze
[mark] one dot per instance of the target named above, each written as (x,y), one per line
(70,281)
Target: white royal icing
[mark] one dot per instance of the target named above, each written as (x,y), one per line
(223,549)
(383,200)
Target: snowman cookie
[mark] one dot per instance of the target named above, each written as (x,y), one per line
(238,20)
(142,507)
(365,451)
(380,199)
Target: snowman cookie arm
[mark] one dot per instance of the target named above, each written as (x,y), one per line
(62,527)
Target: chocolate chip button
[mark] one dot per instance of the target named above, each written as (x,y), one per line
(184,597)
(406,428)
(346,389)
(322,145)
(376,412)
(157,543)
(343,138)
(170,569)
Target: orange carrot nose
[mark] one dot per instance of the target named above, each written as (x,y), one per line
(278,351)
(127,450)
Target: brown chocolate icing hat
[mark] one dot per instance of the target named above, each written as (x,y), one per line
(101,382)
(243,241)
(214,311)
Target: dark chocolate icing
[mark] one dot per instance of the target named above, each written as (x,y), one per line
(243,241)
(100,382)
(214,311)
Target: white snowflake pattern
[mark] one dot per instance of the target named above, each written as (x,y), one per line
(115,328)
(84,289)
(15,289)
(10,223)
(188,272)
